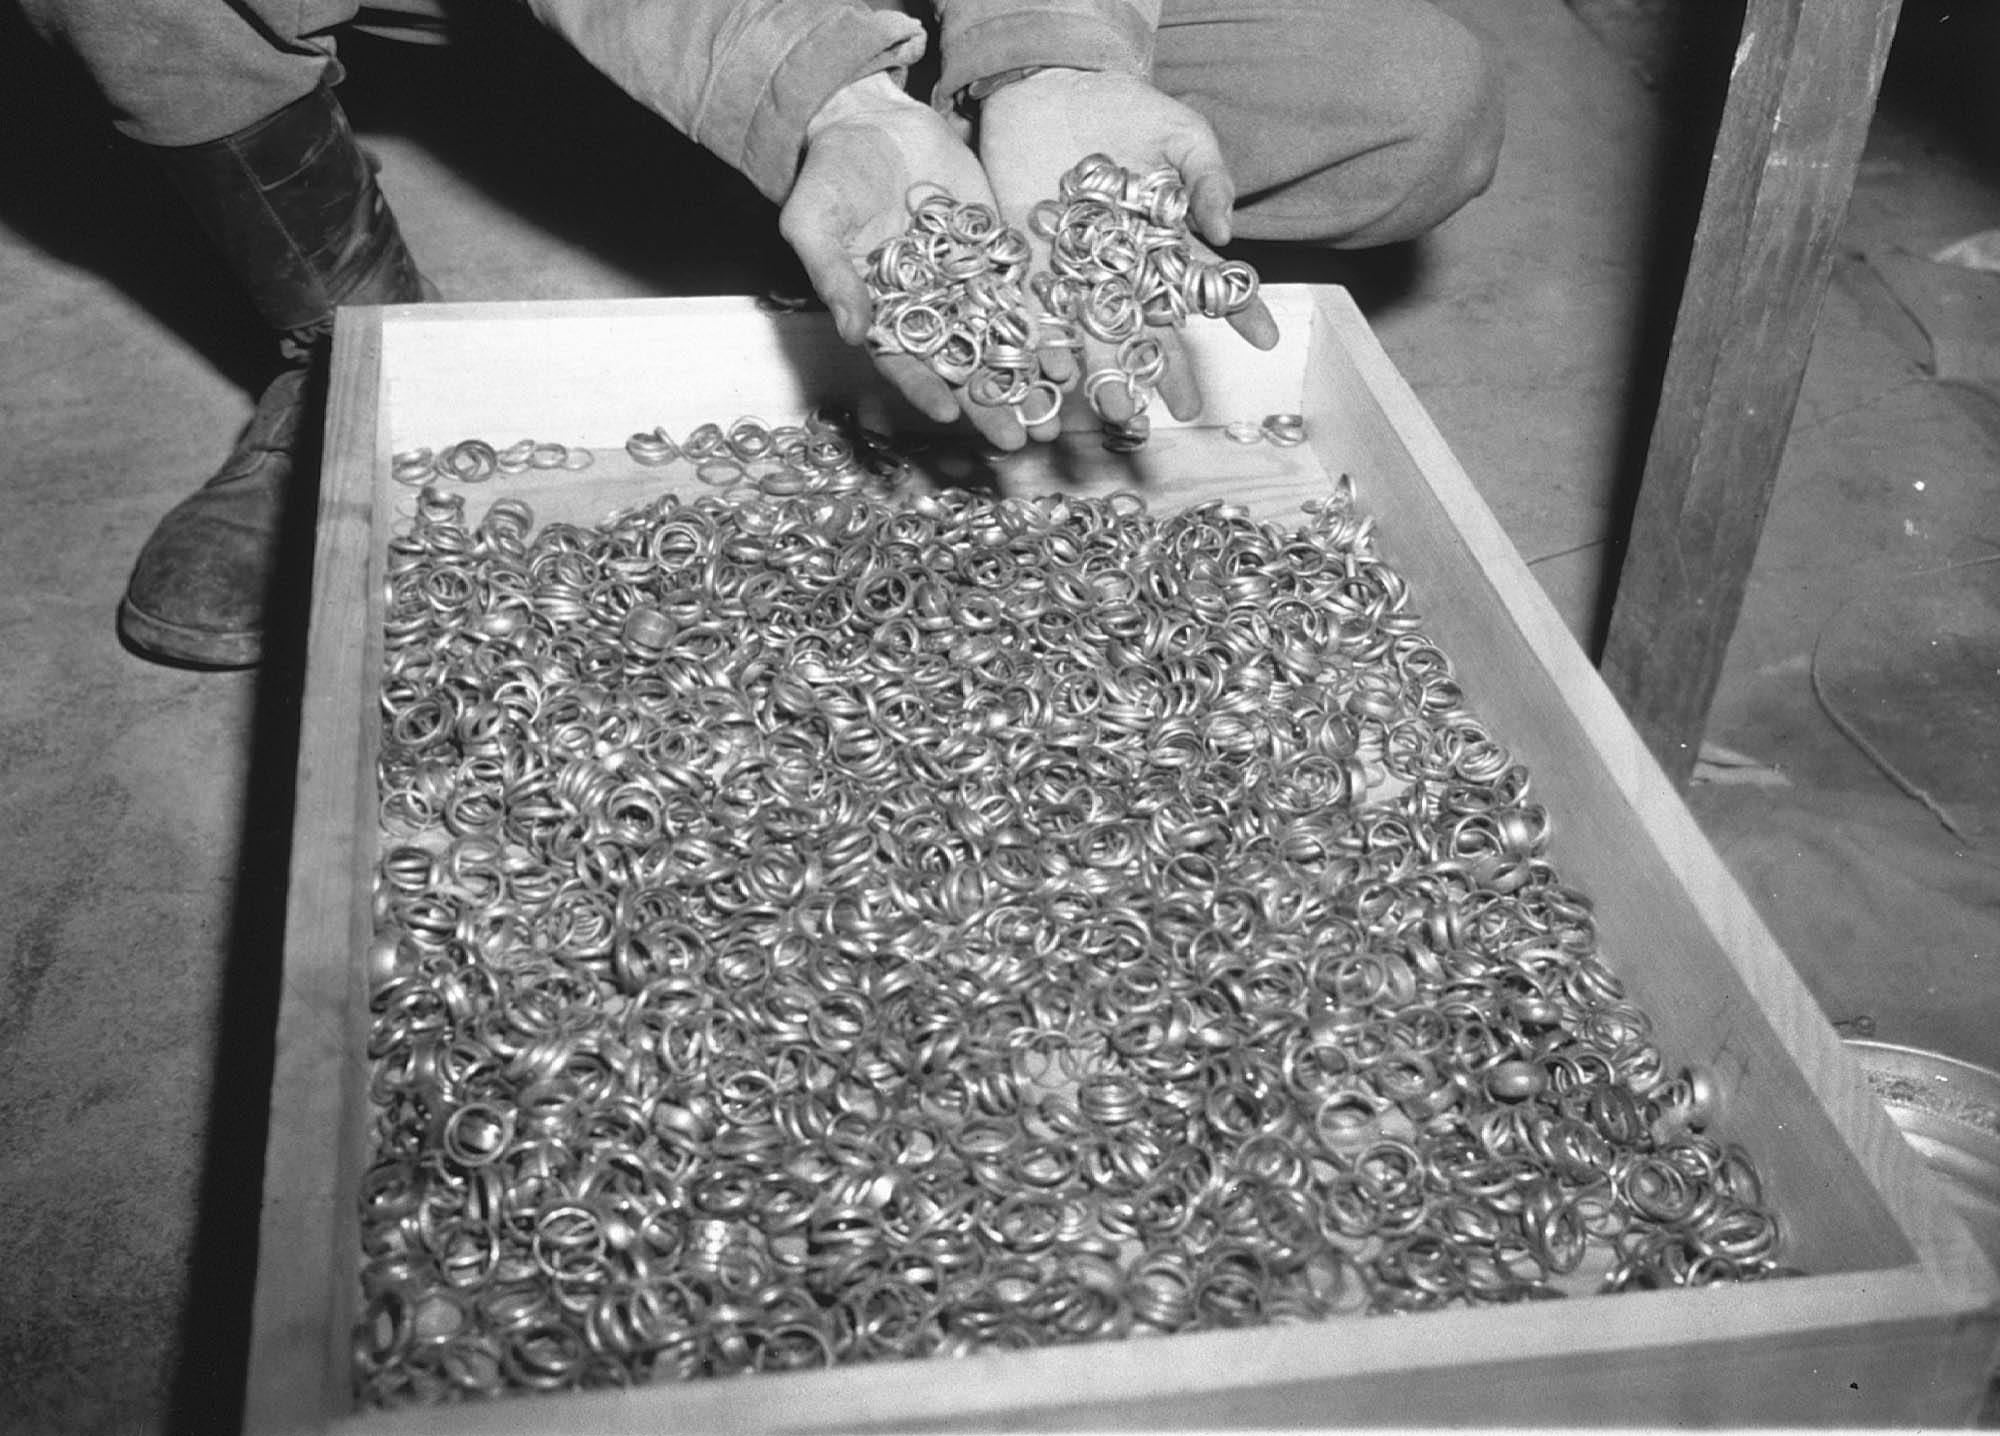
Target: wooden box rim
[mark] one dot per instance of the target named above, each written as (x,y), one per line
(1924,1300)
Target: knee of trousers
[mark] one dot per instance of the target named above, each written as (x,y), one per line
(1451,126)
(1457,148)
(1430,144)
(174,73)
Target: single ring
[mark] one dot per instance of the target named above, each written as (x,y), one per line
(1052,401)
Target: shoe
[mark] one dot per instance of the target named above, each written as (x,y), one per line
(293,204)
(201,589)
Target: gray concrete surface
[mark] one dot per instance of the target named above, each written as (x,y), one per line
(143,844)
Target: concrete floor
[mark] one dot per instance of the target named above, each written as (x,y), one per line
(145,848)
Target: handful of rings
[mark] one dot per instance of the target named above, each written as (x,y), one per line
(954,289)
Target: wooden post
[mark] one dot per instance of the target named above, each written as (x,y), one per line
(1800,99)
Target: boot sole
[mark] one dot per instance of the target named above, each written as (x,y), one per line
(194,647)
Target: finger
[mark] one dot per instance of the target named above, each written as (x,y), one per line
(997,426)
(1049,426)
(918,383)
(1211,193)
(1058,363)
(1179,388)
(1111,401)
(1254,321)
(1255,324)
(1210,202)
(1047,431)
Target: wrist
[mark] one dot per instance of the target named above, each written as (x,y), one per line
(874,94)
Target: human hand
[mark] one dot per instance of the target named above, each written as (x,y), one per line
(1034,130)
(866,150)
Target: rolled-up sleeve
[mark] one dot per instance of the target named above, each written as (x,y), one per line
(740,77)
(983,38)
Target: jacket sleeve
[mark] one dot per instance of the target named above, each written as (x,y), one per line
(741,77)
(984,38)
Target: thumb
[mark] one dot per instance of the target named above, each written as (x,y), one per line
(831,271)
(1210,202)
(845,295)
(1211,193)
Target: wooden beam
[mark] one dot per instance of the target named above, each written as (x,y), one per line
(1801,96)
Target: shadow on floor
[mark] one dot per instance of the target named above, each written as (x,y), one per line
(72,186)
(510,108)
(217,1321)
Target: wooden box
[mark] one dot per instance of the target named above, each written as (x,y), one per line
(1897,1320)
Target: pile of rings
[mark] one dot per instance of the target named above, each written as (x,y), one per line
(828,450)
(1120,262)
(825,927)
(950,290)
(474,461)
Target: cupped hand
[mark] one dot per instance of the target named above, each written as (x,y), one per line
(1034,130)
(868,148)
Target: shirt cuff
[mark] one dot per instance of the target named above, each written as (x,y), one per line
(755,114)
(984,39)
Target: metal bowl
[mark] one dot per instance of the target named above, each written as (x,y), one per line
(1949,1111)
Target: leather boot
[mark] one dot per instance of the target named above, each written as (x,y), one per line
(293,204)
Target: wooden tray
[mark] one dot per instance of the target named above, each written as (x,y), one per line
(1897,1323)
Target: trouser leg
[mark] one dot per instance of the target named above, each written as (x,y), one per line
(235,103)
(1343,122)
(185,72)
(292,203)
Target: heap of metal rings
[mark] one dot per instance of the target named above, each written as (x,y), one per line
(1120,261)
(474,461)
(822,928)
(949,290)
(830,450)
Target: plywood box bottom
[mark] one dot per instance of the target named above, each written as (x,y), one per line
(1896,1320)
